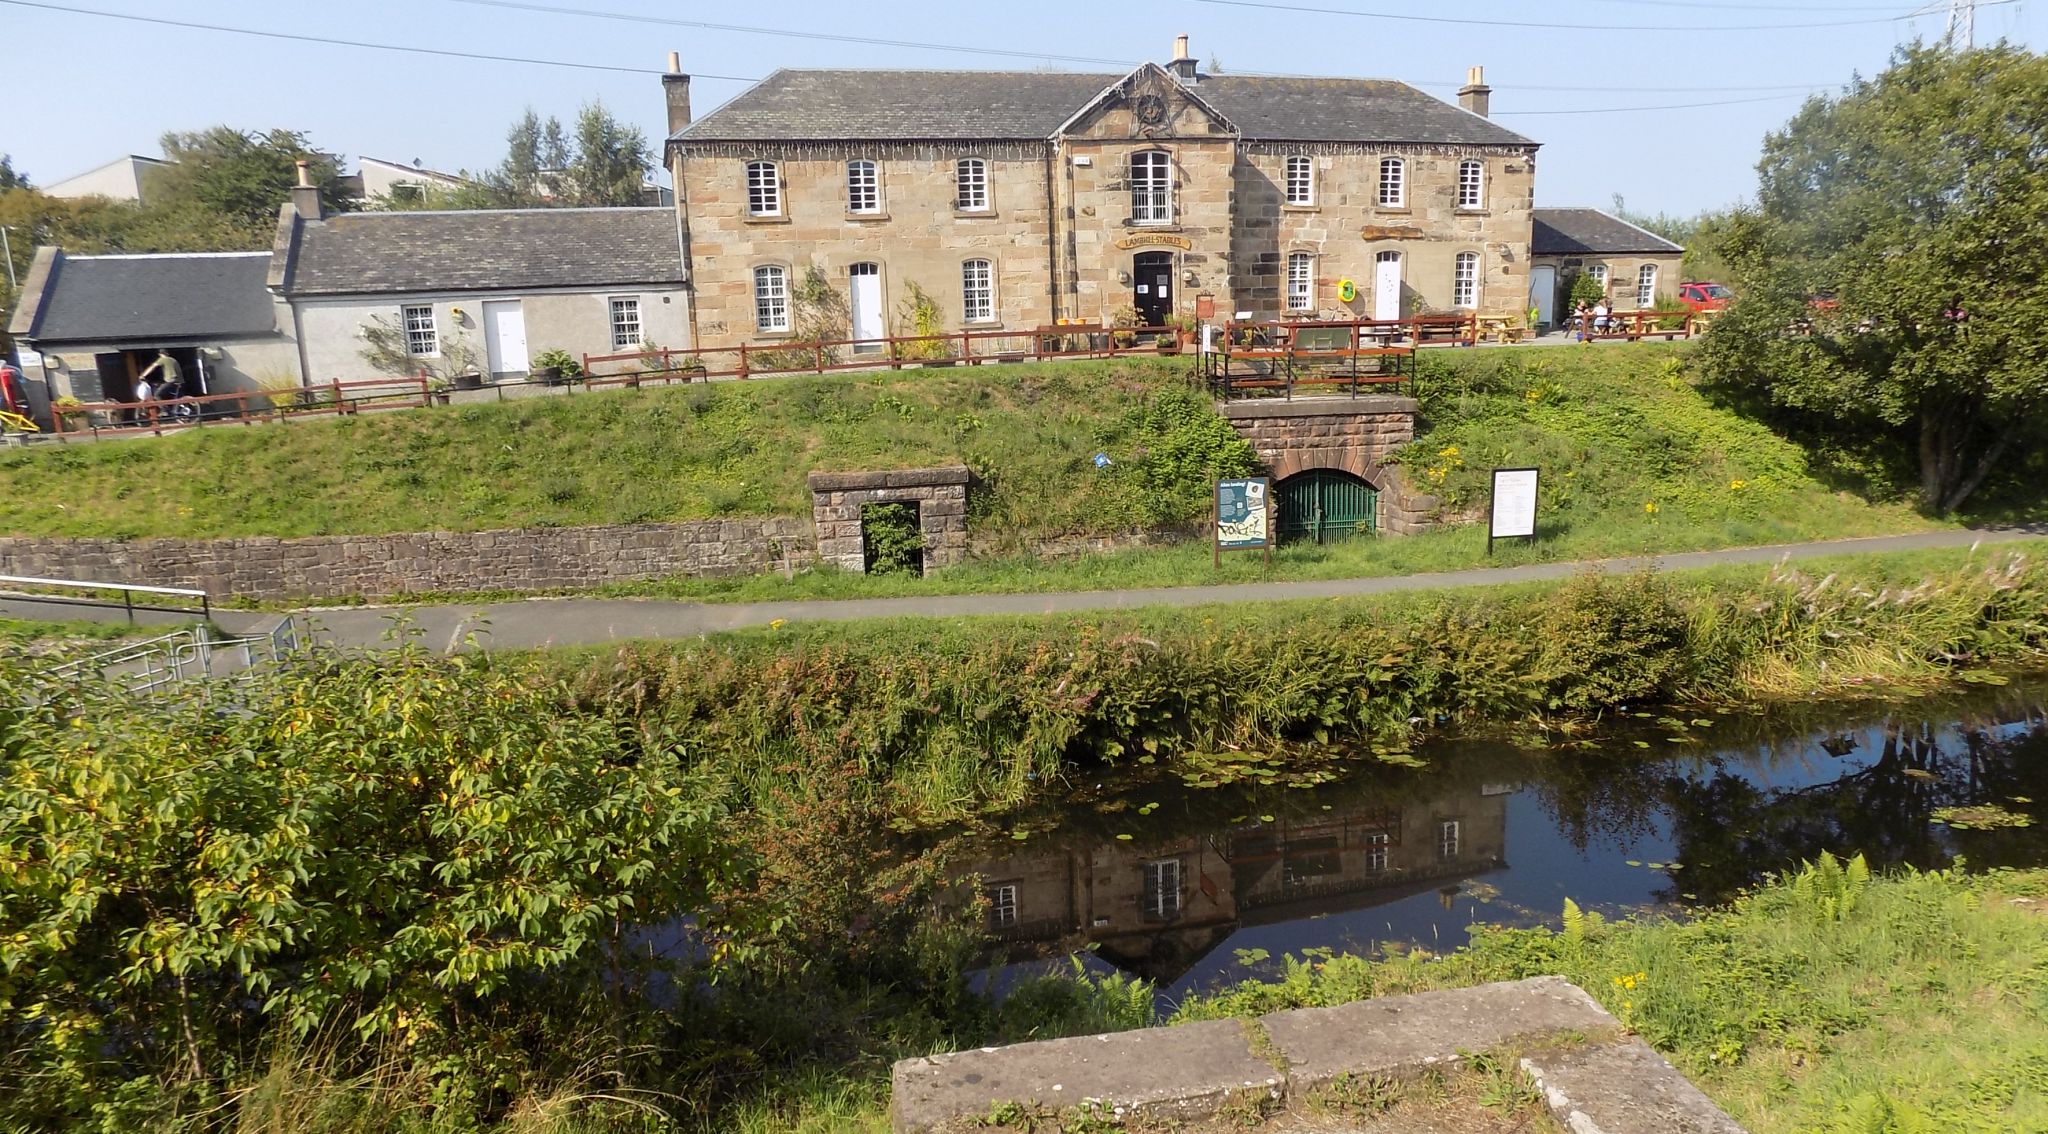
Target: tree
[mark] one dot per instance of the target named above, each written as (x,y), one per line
(605,164)
(1701,234)
(1890,282)
(9,178)
(224,186)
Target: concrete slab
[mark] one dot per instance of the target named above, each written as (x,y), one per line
(1169,1073)
(1623,1087)
(1402,1036)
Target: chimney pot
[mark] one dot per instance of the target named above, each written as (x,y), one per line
(305,173)
(675,62)
(306,195)
(1183,65)
(1475,95)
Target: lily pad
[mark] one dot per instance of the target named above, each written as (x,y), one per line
(1123,838)
(1633,862)
(1265,818)
(1020,836)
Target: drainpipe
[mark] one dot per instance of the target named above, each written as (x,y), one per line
(1052,234)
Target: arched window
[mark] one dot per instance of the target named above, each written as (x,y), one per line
(1393,183)
(1152,187)
(1646,286)
(764,189)
(1301,281)
(1465,281)
(970,178)
(863,188)
(977,291)
(1301,181)
(771,298)
(1471,185)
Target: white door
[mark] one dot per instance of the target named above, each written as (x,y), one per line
(1543,293)
(1386,286)
(505,336)
(865,297)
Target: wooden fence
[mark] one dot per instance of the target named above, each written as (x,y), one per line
(896,352)
(169,415)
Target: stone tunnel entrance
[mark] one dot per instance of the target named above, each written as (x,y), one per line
(1328,459)
(1326,504)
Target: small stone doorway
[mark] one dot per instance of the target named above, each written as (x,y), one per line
(1325,504)
(1152,287)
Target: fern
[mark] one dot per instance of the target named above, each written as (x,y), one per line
(1574,924)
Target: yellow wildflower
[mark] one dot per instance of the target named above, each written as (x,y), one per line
(777,624)
(1650,507)
(1738,485)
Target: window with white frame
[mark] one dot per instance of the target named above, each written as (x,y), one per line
(970,177)
(1447,837)
(1301,280)
(1465,281)
(1152,187)
(1393,183)
(1599,274)
(1301,181)
(863,188)
(1471,185)
(1002,906)
(1646,286)
(625,321)
(1162,889)
(764,189)
(421,339)
(1376,852)
(771,298)
(977,291)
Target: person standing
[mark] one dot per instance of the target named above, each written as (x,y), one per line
(13,395)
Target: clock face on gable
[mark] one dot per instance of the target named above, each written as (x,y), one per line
(1150,109)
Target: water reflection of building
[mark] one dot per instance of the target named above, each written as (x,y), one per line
(1155,908)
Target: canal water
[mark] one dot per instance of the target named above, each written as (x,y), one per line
(1195,887)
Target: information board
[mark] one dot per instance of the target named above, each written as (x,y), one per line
(1514,506)
(1244,514)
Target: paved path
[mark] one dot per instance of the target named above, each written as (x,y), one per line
(586,621)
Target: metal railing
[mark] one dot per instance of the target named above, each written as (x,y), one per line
(128,591)
(148,667)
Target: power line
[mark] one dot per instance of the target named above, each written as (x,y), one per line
(298,38)
(705,25)
(617,69)
(1553,25)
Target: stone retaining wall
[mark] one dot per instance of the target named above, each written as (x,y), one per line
(531,559)
(1353,435)
(838,501)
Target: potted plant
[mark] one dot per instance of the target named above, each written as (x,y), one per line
(70,412)
(384,348)
(554,367)
(1120,321)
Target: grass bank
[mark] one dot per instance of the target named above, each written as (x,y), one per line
(1828,1002)
(952,718)
(1636,457)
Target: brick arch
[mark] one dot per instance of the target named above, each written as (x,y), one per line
(1292,462)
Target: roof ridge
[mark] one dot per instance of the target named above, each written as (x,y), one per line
(539,210)
(68,256)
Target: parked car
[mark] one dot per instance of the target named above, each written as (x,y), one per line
(1704,296)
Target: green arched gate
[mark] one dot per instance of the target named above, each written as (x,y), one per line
(1323,504)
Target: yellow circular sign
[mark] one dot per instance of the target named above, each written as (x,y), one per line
(1346,291)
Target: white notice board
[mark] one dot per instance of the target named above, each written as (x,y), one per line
(1514,505)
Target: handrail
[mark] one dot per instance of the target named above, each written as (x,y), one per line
(128,593)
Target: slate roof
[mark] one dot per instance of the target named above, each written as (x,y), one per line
(837,105)
(112,298)
(489,250)
(1579,232)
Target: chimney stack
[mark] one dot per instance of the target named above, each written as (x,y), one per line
(1475,95)
(306,195)
(676,86)
(1183,65)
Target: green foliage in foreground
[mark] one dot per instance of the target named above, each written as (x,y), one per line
(951,719)
(1825,1002)
(682,453)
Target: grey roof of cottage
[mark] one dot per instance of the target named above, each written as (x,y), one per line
(1580,232)
(484,250)
(856,105)
(188,296)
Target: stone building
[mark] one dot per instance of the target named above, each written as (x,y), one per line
(1012,201)
(1635,266)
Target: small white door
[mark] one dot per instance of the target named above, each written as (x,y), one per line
(1543,293)
(865,297)
(505,336)
(1386,286)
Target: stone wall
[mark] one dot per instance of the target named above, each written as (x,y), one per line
(1621,277)
(1353,435)
(533,559)
(838,501)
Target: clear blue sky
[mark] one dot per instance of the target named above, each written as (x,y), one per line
(82,89)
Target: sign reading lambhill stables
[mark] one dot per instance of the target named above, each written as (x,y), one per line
(1156,240)
(1244,516)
